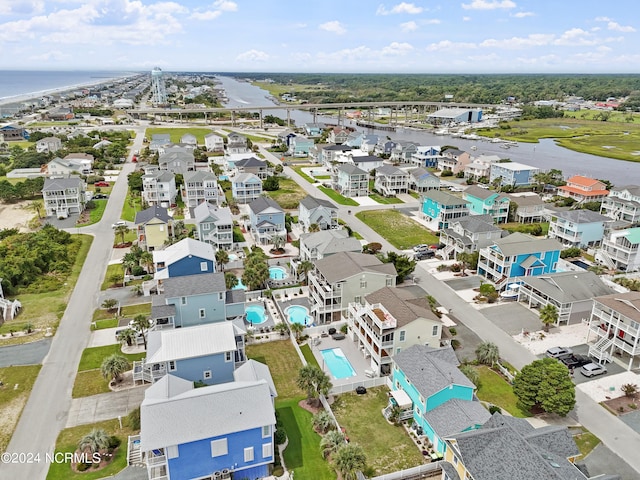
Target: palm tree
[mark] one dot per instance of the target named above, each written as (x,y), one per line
(146,260)
(130,260)
(548,316)
(110,304)
(113,366)
(122,230)
(137,289)
(488,353)
(36,206)
(304,268)
(331,442)
(94,441)
(222,257)
(296,329)
(281,328)
(230,280)
(349,459)
(128,336)
(141,323)
(322,421)
(278,241)
(314,381)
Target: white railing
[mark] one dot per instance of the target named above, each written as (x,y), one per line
(350,387)
(418,472)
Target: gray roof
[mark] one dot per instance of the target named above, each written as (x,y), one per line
(526,200)
(365,159)
(162,311)
(339,148)
(235,296)
(243,177)
(145,216)
(388,170)
(161,175)
(569,287)
(351,169)
(250,162)
(519,243)
(201,413)
(221,215)
(483,193)
(581,216)
(421,173)
(188,285)
(61,183)
(402,304)
(198,176)
(444,198)
(310,202)
(431,370)
(328,242)
(344,265)
(252,370)
(261,204)
(632,189)
(476,223)
(455,416)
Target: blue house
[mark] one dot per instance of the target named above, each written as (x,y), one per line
(426,156)
(187,257)
(518,255)
(205,353)
(219,431)
(440,208)
(267,220)
(512,173)
(313,129)
(487,202)
(300,146)
(428,387)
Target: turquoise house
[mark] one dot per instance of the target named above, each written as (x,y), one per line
(440,207)
(487,202)
(428,387)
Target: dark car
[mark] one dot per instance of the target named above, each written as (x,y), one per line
(425,254)
(575,361)
(100,196)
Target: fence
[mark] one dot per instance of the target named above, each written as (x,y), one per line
(368,383)
(421,471)
(505,372)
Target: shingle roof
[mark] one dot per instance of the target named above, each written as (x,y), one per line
(191,342)
(311,202)
(583,181)
(390,170)
(244,177)
(188,285)
(402,304)
(61,183)
(365,159)
(331,241)
(483,193)
(235,296)
(421,173)
(206,209)
(198,176)
(526,200)
(250,162)
(476,223)
(347,264)
(185,247)
(569,287)
(261,204)
(519,243)
(202,413)
(444,198)
(162,311)
(627,303)
(430,370)
(351,169)
(455,416)
(145,216)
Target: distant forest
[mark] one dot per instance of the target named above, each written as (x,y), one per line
(319,88)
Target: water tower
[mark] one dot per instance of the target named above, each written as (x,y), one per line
(158,92)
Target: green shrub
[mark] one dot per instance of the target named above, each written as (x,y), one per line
(280,436)
(134,419)
(494,408)
(83,467)
(114,442)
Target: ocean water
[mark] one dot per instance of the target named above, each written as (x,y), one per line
(25,82)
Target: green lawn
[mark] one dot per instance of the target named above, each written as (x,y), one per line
(525,227)
(586,442)
(399,230)
(384,200)
(177,133)
(289,194)
(496,390)
(284,364)
(130,207)
(18,382)
(68,440)
(388,447)
(44,310)
(92,357)
(111,270)
(415,195)
(299,171)
(336,197)
(95,214)
(105,319)
(308,355)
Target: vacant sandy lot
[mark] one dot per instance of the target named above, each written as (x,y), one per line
(15,215)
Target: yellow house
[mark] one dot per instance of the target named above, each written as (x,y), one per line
(155,227)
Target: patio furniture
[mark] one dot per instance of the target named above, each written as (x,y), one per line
(338,336)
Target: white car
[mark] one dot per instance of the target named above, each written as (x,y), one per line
(119,223)
(593,369)
(558,352)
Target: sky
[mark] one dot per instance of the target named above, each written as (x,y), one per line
(329,36)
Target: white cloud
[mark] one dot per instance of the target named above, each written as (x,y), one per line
(253,56)
(603,19)
(620,28)
(466,19)
(433,21)
(488,4)
(334,27)
(576,36)
(449,45)
(55,55)
(225,5)
(533,40)
(218,7)
(348,54)
(208,15)
(396,48)
(523,14)
(407,8)
(409,26)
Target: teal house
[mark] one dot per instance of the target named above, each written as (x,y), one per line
(440,208)
(428,387)
(487,202)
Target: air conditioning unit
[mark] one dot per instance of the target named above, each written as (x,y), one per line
(226,474)
(217,475)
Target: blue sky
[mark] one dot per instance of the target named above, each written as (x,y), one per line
(467,36)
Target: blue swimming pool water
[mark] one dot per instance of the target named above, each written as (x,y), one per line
(299,314)
(255,314)
(240,285)
(581,264)
(223,177)
(338,364)
(277,273)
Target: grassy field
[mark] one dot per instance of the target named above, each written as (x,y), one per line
(299,171)
(177,133)
(308,355)
(128,311)
(95,214)
(289,194)
(130,207)
(111,270)
(496,390)
(384,200)
(336,197)
(606,139)
(388,447)
(44,310)
(399,230)
(68,440)
(18,382)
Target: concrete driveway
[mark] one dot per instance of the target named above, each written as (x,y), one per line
(104,406)
(27,354)
(512,318)
(602,461)
(464,283)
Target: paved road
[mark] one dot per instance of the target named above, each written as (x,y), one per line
(47,410)
(27,354)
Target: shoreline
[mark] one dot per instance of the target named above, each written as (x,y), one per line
(16,100)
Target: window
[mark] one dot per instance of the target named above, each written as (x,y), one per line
(357,299)
(389,282)
(435,331)
(402,335)
(206,374)
(363,283)
(201,313)
(183,300)
(267,450)
(455,460)
(203,266)
(220,296)
(248,454)
(172,366)
(228,356)
(172,451)
(266,431)
(206,226)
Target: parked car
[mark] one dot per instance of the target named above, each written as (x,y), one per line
(100,196)
(420,247)
(101,184)
(422,255)
(575,361)
(119,223)
(593,369)
(559,352)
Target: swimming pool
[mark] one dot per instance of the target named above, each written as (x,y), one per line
(223,177)
(233,257)
(299,314)
(277,273)
(240,285)
(581,264)
(338,363)
(255,314)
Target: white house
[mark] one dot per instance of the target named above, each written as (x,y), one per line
(214,143)
(317,211)
(159,188)
(63,196)
(200,187)
(48,145)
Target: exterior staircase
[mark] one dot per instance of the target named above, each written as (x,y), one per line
(605,258)
(446,251)
(600,349)
(134,454)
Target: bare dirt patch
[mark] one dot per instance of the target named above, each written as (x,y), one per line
(15,215)
(622,405)
(10,414)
